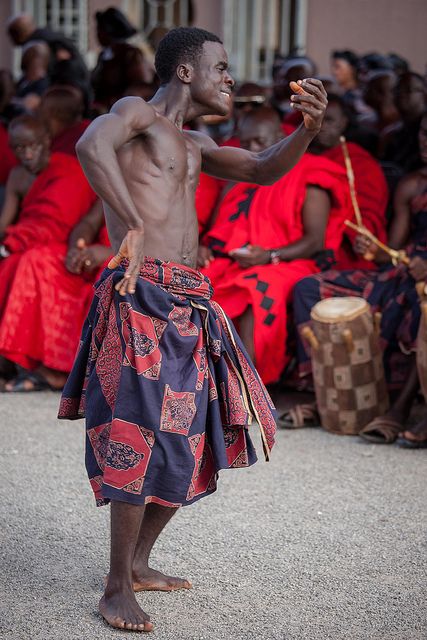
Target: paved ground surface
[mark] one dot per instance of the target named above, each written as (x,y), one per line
(327,541)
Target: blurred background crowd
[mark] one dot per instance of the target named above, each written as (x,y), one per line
(271,252)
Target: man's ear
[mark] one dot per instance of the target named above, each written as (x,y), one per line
(185,72)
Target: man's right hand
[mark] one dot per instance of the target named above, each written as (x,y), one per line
(362,245)
(131,248)
(204,256)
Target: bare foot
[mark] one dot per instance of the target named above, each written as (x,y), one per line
(152,580)
(121,610)
(416,434)
(56,379)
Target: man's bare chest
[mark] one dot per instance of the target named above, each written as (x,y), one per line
(168,159)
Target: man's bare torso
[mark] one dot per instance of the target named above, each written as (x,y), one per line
(161,169)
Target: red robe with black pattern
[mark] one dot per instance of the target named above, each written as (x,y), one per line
(372,196)
(271,217)
(42,305)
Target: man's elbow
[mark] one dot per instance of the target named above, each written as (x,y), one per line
(316,244)
(84,148)
(313,243)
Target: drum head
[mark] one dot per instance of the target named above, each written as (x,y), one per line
(339,309)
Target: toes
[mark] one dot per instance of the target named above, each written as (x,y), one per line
(118,622)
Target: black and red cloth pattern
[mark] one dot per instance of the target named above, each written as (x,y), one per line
(272,217)
(166,387)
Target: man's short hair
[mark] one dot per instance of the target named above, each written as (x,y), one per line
(347,55)
(65,103)
(29,121)
(181,45)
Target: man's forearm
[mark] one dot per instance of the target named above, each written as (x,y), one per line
(277,160)
(301,249)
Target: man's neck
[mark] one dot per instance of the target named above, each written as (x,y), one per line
(174,103)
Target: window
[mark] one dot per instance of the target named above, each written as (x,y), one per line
(256,30)
(68,16)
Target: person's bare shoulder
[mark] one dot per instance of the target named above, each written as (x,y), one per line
(203,141)
(135,111)
(409,186)
(19,179)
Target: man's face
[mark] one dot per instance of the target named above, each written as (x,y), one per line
(333,126)
(257,136)
(342,70)
(410,96)
(422,140)
(380,91)
(211,84)
(31,147)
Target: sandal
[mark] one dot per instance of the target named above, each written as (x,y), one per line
(381,430)
(410,443)
(300,416)
(20,383)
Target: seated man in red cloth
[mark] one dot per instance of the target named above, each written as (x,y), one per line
(61,110)
(46,196)
(370,183)
(267,238)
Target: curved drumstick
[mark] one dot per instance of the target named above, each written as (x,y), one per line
(353,195)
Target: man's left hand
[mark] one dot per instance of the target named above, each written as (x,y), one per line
(311,100)
(252,256)
(418,268)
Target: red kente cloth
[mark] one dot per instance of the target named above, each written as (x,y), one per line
(42,305)
(270,216)
(66,141)
(7,158)
(56,201)
(372,196)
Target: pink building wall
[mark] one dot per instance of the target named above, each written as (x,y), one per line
(397,26)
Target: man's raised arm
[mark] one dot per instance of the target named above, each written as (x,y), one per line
(97,152)
(267,166)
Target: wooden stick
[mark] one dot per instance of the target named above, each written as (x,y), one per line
(398,256)
(350,176)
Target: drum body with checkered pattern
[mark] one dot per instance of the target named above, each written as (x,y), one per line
(422,349)
(347,365)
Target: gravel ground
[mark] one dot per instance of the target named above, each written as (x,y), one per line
(327,541)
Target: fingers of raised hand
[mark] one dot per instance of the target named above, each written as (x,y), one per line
(306,99)
(313,85)
(314,112)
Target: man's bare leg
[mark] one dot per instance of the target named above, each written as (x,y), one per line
(118,605)
(246,331)
(154,521)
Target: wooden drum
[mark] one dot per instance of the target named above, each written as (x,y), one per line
(347,364)
(422,349)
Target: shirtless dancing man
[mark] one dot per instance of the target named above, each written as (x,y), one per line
(161,375)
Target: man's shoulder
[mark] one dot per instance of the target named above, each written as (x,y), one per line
(135,110)
(18,174)
(202,140)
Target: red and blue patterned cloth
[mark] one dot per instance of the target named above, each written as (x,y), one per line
(166,387)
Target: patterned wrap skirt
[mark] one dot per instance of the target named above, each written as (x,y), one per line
(166,387)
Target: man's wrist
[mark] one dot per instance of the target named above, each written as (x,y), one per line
(275,256)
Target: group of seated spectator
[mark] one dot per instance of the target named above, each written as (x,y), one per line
(271,252)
